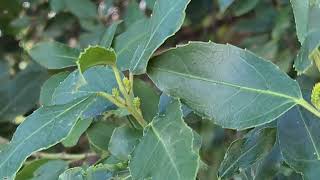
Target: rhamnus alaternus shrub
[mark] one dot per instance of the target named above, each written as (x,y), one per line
(121,76)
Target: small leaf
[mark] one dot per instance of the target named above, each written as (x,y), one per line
(38,132)
(54,55)
(303,62)
(305,13)
(96,55)
(49,87)
(50,170)
(243,153)
(233,87)
(81,126)
(149,98)
(28,170)
(171,153)
(135,51)
(99,172)
(91,82)
(108,35)
(123,141)
(99,136)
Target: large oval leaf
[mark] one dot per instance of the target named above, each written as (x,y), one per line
(232,86)
(44,128)
(166,150)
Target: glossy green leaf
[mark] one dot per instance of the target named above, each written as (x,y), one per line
(21,94)
(171,153)
(299,137)
(244,152)
(135,51)
(38,132)
(133,14)
(123,141)
(224,4)
(302,62)
(99,172)
(149,98)
(108,35)
(99,136)
(49,87)
(28,170)
(81,126)
(96,55)
(305,16)
(54,55)
(50,170)
(91,82)
(231,86)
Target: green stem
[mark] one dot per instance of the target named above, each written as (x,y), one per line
(64,156)
(129,104)
(118,102)
(309,107)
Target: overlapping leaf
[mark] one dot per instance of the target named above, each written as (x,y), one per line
(166,150)
(77,85)
(134,52)
(232,86)
(54,55)
(243,153)
(39,131)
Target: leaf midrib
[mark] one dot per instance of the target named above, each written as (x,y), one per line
(32,134)
(294,99)
(154,32)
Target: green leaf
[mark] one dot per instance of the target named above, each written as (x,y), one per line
(225,4)
(50,170)
(108,35)
(149,98)
(306,13)
(81,126)
(166,150)
(135,51)
(240,8)
(133,14)
(99,172)
(123,141)
(54,55)
(49,87)
(302,62)
(83,9)
(28,170)
(231,86)
(299,137)
(91,82)
(38,132)
(96,55)
(4,72)
(99,136)
(243,153)
(21,94)
(57,5)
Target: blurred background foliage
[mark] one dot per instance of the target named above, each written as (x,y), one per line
(265,27)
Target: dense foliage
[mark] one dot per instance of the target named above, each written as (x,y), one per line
(153,89)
